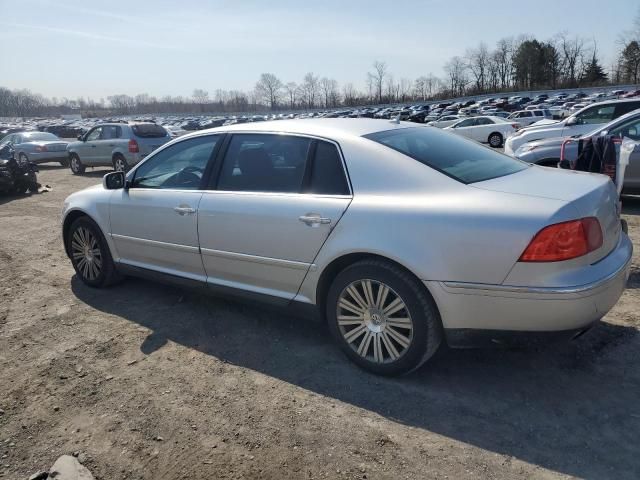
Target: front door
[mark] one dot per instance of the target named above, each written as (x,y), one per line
(154,223)
(275,202)
(88,149)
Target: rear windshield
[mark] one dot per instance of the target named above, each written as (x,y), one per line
(455,156)
(148,130)
(39,136)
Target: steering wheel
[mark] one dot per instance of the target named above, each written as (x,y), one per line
(187,177)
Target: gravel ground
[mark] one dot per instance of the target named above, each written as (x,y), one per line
(153,382)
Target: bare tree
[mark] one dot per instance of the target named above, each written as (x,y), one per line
(329,89)
(310,89)
(292,90)
(457,74)
(269,89)
(477,61)
(572,51)
(377,77)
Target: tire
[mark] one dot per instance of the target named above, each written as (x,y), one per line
(20,189)
(120,163)
(76,165)
(495,140)
(367,338)
(90,255)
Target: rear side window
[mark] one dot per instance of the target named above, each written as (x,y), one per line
(453,155)
(264,163)
(327,173)
(109,132)
(148,130)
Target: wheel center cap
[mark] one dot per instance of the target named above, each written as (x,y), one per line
(375,320)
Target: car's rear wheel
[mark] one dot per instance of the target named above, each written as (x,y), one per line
(90,254)
(495,140)
(120,164)
(76,165)
(382,318)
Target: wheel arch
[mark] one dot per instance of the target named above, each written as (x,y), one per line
(338,264)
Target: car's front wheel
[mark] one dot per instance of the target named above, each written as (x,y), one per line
(90,254)
(382,318)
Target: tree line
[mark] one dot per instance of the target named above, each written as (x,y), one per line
(512,64)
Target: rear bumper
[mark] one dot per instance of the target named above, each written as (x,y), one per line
(45,157)
(534,309)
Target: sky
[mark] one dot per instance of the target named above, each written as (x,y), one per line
(69,48)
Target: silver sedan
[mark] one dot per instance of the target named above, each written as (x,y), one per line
(398,235)
(38,147)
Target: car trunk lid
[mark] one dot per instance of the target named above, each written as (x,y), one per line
(591,195)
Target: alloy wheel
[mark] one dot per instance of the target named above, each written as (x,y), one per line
(75,164)
(86,253)
(120,165)
(374,321)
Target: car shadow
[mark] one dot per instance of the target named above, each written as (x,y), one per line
(553,406)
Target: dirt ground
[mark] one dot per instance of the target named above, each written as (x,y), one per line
(153,382)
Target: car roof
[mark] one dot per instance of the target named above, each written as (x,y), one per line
(323,127)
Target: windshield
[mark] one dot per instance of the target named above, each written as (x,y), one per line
(455,156)
(30,137)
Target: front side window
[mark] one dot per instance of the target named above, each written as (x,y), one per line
(596,115)
(453,155)
(630,129)
(469,122)
(179,166)
(95,134)
(264,163)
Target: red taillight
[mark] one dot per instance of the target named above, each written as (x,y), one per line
(41,148)
(516,126)
(133,146)
(563,241)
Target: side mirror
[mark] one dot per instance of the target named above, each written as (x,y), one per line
(113,181)
(572,121)
(81,137)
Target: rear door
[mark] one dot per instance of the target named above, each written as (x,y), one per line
(106,144)
(270,208)
(630,129)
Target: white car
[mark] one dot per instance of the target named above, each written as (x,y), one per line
(445,121)
(579,123)
(491,130)
(527,117)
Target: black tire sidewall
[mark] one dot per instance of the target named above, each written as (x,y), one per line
(106,271)
(414,355)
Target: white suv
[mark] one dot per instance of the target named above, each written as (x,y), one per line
(581,122)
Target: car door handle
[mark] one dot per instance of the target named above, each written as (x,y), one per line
(314,219)
(112,145)
(184,210)
(93,146)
